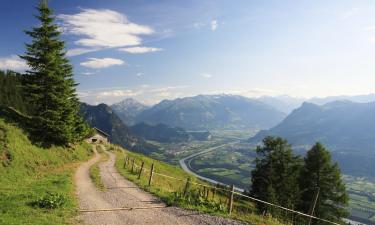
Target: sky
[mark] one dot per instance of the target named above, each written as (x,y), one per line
(153,50)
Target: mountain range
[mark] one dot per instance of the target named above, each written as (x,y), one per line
(128,110)
(287,103)
(205,112)
(341,125)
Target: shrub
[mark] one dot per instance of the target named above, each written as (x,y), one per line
(50,201)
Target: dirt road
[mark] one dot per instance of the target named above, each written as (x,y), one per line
(121,194)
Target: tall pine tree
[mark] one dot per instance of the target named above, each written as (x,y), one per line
(320,172)
(49,84)
(275,177)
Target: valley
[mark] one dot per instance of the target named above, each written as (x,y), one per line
(227,154)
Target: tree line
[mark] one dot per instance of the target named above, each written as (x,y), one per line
(312,184)
(47,90)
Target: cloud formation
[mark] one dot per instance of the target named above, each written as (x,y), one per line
(140,50)
(206,75)
(13,62)
(97,63)
(214,25)
(103,28)
(80,51)
(146,93)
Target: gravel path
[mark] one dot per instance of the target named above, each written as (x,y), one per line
(121,193)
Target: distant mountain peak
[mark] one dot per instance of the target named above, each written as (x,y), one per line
(128,109)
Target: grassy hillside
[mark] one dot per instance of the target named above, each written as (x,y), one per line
(170,190)
(34,180)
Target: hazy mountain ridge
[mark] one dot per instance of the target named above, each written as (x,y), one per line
(341,125)
(283,103)
(212,111)
(128,110)
(287,104)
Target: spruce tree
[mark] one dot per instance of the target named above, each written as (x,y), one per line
(320,172)
(49,84)
(275,177)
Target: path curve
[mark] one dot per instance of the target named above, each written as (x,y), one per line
(121,193)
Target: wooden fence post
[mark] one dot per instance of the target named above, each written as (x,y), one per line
(125,161)
(133,162)
(230,204)
(187,186)
(213,193)
(151,174)
(140,171)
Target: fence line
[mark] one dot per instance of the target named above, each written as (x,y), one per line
(134,165)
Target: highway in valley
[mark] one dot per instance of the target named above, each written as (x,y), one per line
(185,164)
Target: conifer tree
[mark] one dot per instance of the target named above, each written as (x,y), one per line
(275,177)
(320,172)
(49,84)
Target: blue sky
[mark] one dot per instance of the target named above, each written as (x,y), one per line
(152,50)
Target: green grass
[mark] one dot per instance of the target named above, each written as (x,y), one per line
(95,173)
(170,190)
(28,173)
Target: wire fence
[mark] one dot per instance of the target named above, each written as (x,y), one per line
(223,197)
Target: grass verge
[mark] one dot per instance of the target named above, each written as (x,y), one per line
(36,185)
(95,173)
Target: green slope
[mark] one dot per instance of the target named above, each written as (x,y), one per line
(28,173)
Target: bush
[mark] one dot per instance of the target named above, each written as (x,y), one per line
(50,201)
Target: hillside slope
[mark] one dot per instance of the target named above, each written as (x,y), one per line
(28,173)
(103,117)
(341,125)
(160,132)
(211,112)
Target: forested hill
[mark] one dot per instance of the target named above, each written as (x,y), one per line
(204,112)
(11,90)
(341,125)
(103,117)
(165,133)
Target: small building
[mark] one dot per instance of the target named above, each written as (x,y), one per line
(99,137)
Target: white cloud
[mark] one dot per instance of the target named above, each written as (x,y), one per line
(139,74)
(214,25)
(13,62)
(146,93)
(116,93)
(166,89)
(96,63)
(87,73)
(103,28)
(206,75)
(140,50)
(80,51)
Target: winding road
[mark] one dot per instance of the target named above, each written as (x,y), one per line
(185,164)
